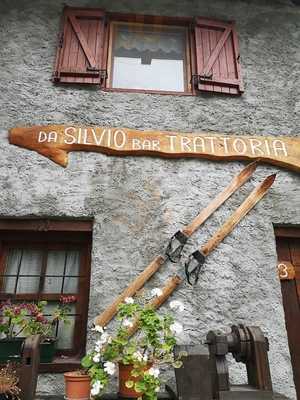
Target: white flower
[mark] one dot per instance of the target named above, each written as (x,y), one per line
(127,323)
(96,358)
(154,372)
(156,389)
(129,300)
(177,305)
(138,355)
(103,339)
(98,328)
(109,367)
(97,386)
(176,327)
(98,347)
(156,292)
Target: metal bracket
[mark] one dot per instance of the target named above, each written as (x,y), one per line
(174,249)
(197,79)
(193,266)
(205,76)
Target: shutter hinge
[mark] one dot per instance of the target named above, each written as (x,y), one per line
(205,76)
(197,79)
(56,76)
(61,40)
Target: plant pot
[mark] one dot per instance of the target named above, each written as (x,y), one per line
(11,349)
(47,350)
(77,386)
(124,376)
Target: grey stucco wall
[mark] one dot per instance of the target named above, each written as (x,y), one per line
(137,203)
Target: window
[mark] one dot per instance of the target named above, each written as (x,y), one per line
(147,53)
(148,57)
(43,260)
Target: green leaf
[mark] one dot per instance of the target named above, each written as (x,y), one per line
(177,364)
(182,354)
(129,384)
(86,361)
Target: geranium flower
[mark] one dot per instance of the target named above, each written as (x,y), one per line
(154,372)
(176,327)
(103,338)
(129,300)
(109,367)
(96,387)
(177,305)
(156,292)
(96,358)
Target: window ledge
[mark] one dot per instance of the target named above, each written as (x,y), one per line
(60,364)
(148,91)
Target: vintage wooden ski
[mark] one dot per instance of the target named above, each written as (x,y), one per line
(197,258)
(176,244)
(180,238)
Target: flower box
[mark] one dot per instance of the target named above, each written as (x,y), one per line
(47,350)
(10,349)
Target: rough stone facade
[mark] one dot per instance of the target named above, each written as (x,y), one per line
(137,203)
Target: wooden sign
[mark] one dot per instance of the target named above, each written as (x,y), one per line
(56,141)
(286,270)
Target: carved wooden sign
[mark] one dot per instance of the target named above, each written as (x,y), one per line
(286,270)
(56,141)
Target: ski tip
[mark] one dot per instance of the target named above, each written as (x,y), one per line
(250,168)
(269,180)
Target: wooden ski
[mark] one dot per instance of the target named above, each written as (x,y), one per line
(176,244)
(197,258)
(180,238)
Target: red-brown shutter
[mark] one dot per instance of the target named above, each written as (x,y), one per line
(217,57)
(80,51)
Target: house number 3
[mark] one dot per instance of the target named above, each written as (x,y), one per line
(286,270)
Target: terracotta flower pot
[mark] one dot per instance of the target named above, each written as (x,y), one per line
(77,386)
(124,376)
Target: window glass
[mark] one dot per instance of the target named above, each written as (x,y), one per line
(24,268)
(63,331)
(62,272)
(148,57)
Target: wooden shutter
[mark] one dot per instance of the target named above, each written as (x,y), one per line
(217,57)
(80,52)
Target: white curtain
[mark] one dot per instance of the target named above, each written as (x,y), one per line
(27,262)
(58,262)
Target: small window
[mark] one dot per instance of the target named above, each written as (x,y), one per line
(40,265)
(154,54)
(148,57)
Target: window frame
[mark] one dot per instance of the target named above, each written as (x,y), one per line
(189,70)
(46,235)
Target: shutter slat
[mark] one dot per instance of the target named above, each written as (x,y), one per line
(216,51)
(217,57)
(82,41)
(79,59)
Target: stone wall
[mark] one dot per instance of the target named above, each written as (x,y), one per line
(137,203)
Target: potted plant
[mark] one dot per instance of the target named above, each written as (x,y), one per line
(21,320)
(77,385)
(139,357)
(9,389)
